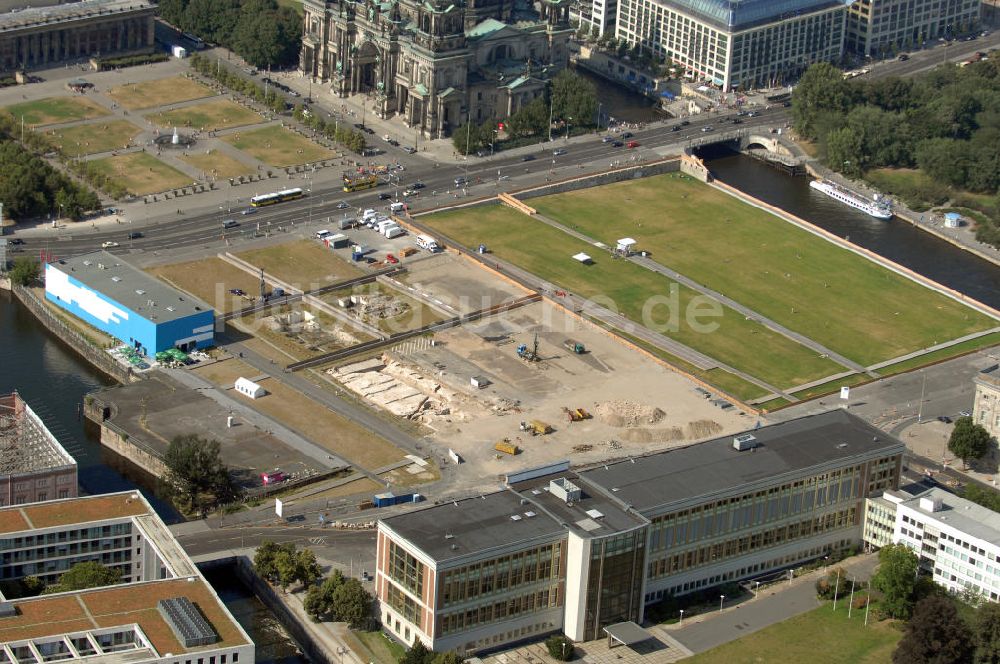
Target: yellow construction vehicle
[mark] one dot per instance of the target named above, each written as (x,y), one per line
(507,447)
(538,428)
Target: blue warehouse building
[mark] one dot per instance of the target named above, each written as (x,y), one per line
(128,304)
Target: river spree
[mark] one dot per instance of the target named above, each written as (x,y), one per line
(896,239)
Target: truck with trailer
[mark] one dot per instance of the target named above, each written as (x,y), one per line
(388,499)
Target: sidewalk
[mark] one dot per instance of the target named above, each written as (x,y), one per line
(776,603)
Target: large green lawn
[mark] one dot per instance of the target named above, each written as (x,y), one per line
(844,301)
(822,636)
(547,252)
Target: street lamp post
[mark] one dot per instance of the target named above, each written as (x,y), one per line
(722,598)
(681,623)
(920,406)
(756,589)
(568,121)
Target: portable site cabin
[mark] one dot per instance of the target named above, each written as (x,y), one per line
(583,258)
(249,388)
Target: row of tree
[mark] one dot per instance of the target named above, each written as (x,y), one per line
(260,31)
(946,122)
(31,187)
(570,100)
(212,68)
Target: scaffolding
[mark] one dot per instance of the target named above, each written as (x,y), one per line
(26,445)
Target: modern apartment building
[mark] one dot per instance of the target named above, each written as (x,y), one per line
(737,44)
(34,467)
(956,540)
(882,27)
(595,14)
(162,612)
(986,407)
(577,551)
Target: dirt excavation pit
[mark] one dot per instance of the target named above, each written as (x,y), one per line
(470,386)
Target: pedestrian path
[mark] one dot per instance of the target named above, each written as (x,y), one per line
(931,349)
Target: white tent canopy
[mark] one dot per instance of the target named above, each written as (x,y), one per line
(249,388)
(626,244)
(583,258)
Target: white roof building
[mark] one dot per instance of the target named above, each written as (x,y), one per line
(955,539)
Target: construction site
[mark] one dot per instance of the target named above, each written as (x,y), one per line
(533,385)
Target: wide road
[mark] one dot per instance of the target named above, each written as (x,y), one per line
(203,227)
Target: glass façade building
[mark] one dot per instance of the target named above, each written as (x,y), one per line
(737,44)
(576,551)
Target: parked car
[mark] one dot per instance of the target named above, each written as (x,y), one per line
(627,134)
(15,240)
(617,144)
(409,149)
(633,144)
(343,205)
(737,121)
(528,157)
(685,123)
(706,129)
(134,235)
(237,291)
(109,244)
(384,196)
(607,139)
(417,185)
(390,259)
(558,153)
(675,128)
(964,413)
(249,210)
(944,418)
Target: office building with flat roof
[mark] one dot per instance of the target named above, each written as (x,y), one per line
(103,290)
(558,550)
(34,467)
(957,541)
(881,28)
(737,44)
(47,36)
(162,612)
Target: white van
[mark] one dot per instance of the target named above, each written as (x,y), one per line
(368,214)
(388,227)
(394,231)
(428,243)
(397,207)
(323,234)
(384,224)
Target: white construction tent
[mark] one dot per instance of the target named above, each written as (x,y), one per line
(248,388)
(583,258)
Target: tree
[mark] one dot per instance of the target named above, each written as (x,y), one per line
(307,569)
(895,579)
(968,440)
(821,90)
(25,271)
(196,474)
(835,583)
(573,98)
(264,559)
(352,604)
(934,635)
(449,657)
(89,574)
(417,654)
(986,634)
(560,647)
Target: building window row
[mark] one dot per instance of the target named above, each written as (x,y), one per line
(753,509)
(402,604)
(65,549)
(539,600)
(405,569)
(31,541)
(503,574)
(713,553)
